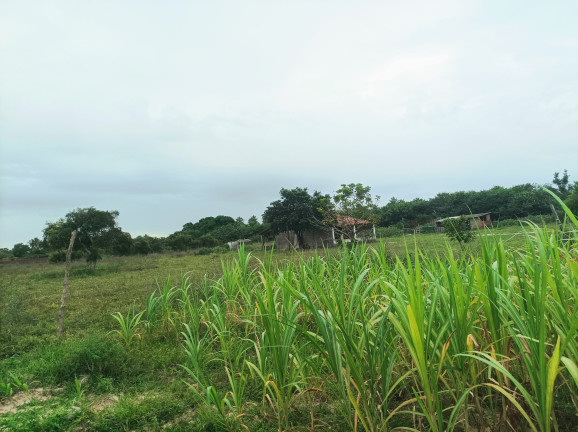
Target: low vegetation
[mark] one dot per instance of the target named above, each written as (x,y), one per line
(400,334)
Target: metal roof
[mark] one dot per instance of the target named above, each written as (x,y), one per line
(475,215)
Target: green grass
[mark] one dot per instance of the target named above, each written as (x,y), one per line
(408,333)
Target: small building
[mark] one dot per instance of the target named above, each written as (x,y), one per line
(327,237)
(478,221)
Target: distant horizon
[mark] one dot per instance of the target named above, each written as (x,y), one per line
(382,203)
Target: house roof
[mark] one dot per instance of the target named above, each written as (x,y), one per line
(475,215)
(348,221)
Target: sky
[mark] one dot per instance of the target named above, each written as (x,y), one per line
(173,111)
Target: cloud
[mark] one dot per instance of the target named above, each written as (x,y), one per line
(410,68)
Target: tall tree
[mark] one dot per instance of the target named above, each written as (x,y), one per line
(297,211)
(563,187)
(352,202)
(95,230)
(355,200)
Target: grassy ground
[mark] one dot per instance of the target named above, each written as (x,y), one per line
(92,380)
(116,388)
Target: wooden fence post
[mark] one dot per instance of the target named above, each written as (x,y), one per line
(65,287)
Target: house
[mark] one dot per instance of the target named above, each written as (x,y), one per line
(478,221)
(327,237)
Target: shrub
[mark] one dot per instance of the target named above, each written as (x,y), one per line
(538,220)
(21,250)
(390,231)
(59,256)
(459,229)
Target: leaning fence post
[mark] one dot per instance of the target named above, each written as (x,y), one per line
(65,287)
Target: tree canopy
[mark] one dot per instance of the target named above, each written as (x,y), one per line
(297,211)
(504,203)
(96,229)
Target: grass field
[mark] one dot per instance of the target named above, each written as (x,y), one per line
(408,333)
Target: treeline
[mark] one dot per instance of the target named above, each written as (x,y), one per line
(214,231)
(204,235)
(504,203)
(100,233)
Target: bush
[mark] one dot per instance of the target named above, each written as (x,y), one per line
(59,256)
(390,231)
(538,220)
(21,250)
(206,241)
(459,229)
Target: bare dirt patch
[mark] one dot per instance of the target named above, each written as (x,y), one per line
(103,403)
(11,405)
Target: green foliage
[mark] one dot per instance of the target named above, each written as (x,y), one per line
(515,202)
(128,325)
(118,242)
(96,229)
(297,211)
(37,248)
(390,231)
(141,246)
(96,354)
(572,202)
(355,200)
(10,383)
(435,339)
(21,250)
(563,187)
(92,256)
(59,256)
(459,229)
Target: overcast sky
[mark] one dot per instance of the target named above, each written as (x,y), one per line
(172,111)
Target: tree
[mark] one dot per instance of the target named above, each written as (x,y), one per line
(141,246)
(118,242)
(297,211)
(351,201)
(355,200)
(563,189)
(180,241)
(253,222)
(21,250)
(95,230)
(36,247)
(459,229)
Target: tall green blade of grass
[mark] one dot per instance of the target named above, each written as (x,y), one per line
(278,362)
(421,336)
